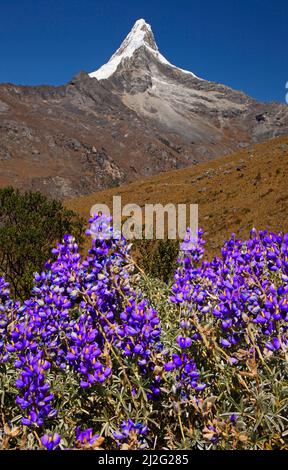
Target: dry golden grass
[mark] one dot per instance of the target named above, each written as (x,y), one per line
(246,189)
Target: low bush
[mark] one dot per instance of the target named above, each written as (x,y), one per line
(157,258)
(30,225)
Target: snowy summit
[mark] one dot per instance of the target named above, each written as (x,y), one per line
(141,35)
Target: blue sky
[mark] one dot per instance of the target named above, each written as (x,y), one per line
(243,44)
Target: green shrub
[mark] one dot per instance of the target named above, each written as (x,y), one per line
(158,258)
(30,225)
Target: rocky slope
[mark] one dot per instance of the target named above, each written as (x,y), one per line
(235,193)
(136,116)
(209,118)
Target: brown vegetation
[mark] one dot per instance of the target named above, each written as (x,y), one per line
(235,193)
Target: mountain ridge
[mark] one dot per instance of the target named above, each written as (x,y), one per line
(145,118)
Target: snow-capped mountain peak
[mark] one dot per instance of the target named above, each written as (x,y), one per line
(141,35)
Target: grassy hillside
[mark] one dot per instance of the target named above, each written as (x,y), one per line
(235,193)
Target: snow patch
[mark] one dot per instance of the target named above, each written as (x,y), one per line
(140,35)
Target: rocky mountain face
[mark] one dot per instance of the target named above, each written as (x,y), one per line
(138,115)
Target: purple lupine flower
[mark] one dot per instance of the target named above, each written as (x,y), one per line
(86,437)
(184,342)
(51,441)
(237,289)
(127,427)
